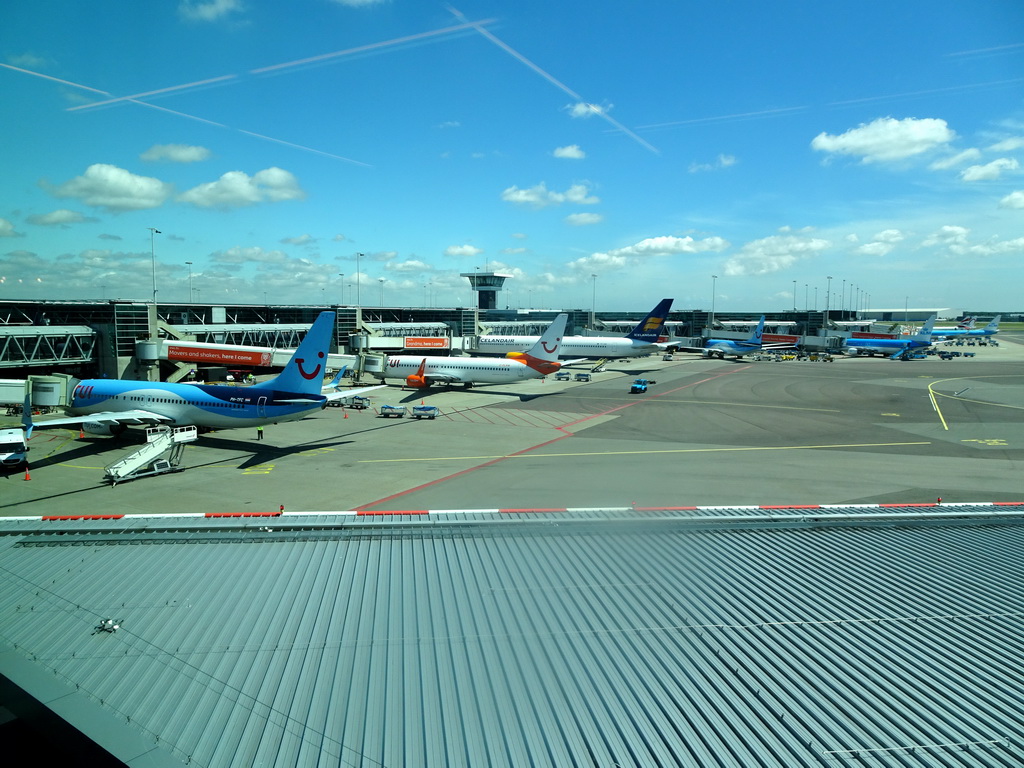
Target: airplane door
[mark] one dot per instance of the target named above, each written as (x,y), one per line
(261,407)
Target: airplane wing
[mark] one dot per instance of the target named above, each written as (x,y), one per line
(342,393)
(108,418)
(442,378)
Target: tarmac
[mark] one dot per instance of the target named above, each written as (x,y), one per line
(707,433)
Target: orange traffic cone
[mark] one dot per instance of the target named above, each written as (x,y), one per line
(27,475)
(346,414)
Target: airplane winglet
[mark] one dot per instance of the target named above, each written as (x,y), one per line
(26,415)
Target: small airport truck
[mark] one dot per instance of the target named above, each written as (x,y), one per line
(639,386)
(13,449)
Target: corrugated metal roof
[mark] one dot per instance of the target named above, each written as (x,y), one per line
(710,638)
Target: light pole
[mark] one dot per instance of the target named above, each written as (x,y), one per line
(358,278)
(381,280)
(342,276)
(152,255)
(593,301)
(189,281)
(842,301)
(713,279)
(828,297)
(794,295)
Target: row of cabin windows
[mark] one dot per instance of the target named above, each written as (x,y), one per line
(140,399)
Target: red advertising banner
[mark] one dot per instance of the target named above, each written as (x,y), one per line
(215,355)
(779,338)
(426,342)
(866,335)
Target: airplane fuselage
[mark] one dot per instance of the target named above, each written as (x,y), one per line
(468,371)
(572,346)
(201,405)
(884,346)
(723,347)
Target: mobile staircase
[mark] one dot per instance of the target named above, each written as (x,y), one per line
(161,453)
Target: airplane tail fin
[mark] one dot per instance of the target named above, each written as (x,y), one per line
(336,381)
(994,325)
(758,334)
(304,373)
(925,333)
(26,415)
(650,328)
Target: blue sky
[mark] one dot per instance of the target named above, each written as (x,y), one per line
(622,152)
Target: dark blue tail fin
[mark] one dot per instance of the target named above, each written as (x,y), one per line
(304,373)
(649,329)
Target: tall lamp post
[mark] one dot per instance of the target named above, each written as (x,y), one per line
(381,279)
(189,281)
(152,255)
(713,279)
(593,301)
(359,278)
(828,297)
(342,276)
(794,295)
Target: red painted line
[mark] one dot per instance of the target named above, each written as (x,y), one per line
(1007,503)
(539,445)
(535,509)
(393,512)
(927,504)
(242,514)
(790,506)
(82,517)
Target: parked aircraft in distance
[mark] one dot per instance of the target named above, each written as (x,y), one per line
(642,340)
(540,360)
(956,333)
(721,347)
(894,348)
(108,406)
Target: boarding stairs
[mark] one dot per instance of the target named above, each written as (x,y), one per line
(161,453)
(599,365)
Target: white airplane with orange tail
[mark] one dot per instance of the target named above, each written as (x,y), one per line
(538,361)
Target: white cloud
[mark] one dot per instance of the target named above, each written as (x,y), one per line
(665,245)
(255,254)
(1013,200)
(583,110)
(413,266)
(300,240)
(989,171)
(460,251)
(208,10)
(887,139)
(113,188)
(175,153)
(59,218)
(955,241)
(7,229)
(722,161)
(1008,145)
(583,219)
(881,243)
(236,189)
(541,197)
(571,152)
(961,157)
(774,254)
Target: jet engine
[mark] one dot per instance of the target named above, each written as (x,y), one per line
(416,381)
(104,429)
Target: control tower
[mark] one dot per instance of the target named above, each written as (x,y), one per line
(487,285)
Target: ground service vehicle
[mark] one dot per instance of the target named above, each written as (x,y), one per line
(392,410)
(425,411)
(639,386)
(13,450)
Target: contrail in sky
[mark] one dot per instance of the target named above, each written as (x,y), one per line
(550,78)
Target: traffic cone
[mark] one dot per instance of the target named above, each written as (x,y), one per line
(27,475)
(346,414)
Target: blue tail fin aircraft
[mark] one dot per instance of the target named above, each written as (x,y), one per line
(109,406)
(893,348)
(738,348)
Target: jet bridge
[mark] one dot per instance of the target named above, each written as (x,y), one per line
(161,453)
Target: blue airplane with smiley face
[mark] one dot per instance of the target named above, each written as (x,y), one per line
(109,406)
